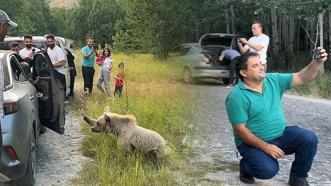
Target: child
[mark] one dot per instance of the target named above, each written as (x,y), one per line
(105,68)
(119,80)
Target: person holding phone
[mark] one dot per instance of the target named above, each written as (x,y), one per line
(88,65)
(27,53)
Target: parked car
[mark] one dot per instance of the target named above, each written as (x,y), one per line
(26,108)
(201,60)
(41,43)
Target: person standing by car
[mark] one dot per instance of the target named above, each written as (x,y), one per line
(88,65)
(28,52)
(5,22)
(261,134)
(57,56)
(258,43)
(73,72)
(233,56)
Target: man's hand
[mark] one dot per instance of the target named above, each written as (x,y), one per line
(324,55)
(274,151)
(242,40)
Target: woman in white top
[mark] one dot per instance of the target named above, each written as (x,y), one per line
(104,71)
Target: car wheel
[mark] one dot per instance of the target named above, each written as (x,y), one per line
(30,172)
(187,78)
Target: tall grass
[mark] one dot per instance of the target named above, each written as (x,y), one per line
(154,95)
(321,87)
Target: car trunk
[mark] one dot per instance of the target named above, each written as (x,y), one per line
(212,44)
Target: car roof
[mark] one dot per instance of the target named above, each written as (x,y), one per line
(34,38)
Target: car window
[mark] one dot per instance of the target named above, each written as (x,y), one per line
(41,66)
(17,71)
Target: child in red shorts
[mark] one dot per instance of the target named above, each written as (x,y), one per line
(119,80)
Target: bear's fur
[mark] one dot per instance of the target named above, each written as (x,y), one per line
(130,135)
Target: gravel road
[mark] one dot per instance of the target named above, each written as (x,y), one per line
(58,156)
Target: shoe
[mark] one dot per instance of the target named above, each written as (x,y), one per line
(100,88)
(298,182)
(246,178)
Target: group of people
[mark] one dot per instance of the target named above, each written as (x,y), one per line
(254,109)
(258,43)
(55,53)
(254,106)
(105,62)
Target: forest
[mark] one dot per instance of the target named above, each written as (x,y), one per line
(157,26)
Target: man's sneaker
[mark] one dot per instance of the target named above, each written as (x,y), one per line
(298,182)
(246,178)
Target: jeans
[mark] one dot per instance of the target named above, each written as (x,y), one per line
(88,74)
(297,140)
(232,68)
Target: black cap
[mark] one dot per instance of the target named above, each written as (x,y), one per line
(4,18)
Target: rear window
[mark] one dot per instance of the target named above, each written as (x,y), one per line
(217,40)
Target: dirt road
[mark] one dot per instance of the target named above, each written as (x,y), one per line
(58,156)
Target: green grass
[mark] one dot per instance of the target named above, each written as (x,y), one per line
(320,87)
(155,96)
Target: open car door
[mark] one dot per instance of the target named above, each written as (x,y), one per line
(51,99)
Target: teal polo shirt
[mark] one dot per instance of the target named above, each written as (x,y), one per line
(87,62)
(261,112)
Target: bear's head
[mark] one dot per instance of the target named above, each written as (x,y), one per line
(111,122)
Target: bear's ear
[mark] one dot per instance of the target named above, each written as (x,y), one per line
(106,109)
(107,117)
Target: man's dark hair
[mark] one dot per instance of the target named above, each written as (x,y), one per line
(89,37)
(27,36)
(242,62)
(14,44)
(50,36)
(259,23)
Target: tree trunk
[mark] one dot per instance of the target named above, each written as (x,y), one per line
(227,21)
(329,31)
(285,39)
(320,21)
(274,38)
(232,21)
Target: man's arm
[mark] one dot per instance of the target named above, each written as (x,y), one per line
(221,57)
(59,64)
(249,138)
(255,46)
(241,47)
(310,72)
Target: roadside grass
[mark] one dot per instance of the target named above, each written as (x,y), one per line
(320,87)
(153,94)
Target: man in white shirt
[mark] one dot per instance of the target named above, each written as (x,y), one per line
(258,43)
(28,52)
(57,56)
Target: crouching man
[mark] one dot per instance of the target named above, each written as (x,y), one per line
(260,130)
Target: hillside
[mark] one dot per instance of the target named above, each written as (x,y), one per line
(63,3)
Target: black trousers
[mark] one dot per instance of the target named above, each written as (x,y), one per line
(232,68)
(62,78)
(72,84)
(88,74)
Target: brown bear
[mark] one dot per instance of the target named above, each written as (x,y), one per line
(130,135)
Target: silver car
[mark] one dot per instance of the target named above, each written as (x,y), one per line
(26,108)
(201,60)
